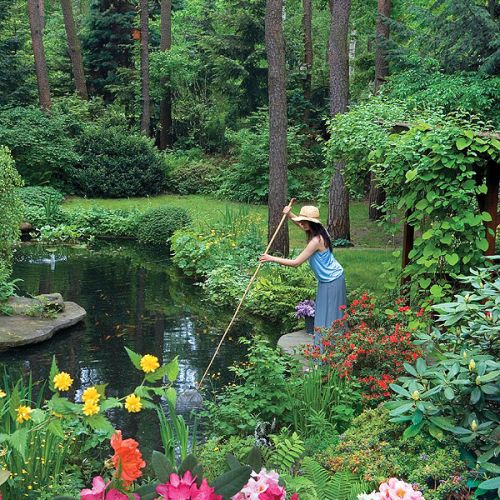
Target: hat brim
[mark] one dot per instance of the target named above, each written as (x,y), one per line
(309,219)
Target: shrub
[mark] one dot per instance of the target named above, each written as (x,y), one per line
(40,144)
(357,347)
(157,225)
(374,448)
(101,222)
(116,163)
(183,167)
(36,196)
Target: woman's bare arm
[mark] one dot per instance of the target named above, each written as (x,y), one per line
(311,247)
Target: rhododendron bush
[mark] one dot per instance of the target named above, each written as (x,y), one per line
(370,345)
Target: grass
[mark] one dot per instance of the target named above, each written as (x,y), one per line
(363,263)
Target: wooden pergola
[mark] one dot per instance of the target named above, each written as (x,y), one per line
(487,202)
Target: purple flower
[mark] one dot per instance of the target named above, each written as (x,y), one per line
(305,308)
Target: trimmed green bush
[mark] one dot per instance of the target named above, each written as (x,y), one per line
(157,225)
(116,163)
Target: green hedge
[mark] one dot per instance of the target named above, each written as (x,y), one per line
(157,225)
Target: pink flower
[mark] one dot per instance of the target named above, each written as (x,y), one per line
(185,488)
(116,495)
(273,492)
(262,486)
(97,491)
(395,489)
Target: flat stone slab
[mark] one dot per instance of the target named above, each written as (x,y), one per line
(21,330)
(291,343)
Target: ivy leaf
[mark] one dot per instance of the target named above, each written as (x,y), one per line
(463,142)
(452,259)
(436,291)
(410,175)
(424,282)
(482,244)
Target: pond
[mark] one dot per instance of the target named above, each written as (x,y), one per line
(135,297)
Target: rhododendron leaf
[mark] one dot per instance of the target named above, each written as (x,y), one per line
(413,430)
(443,423)
(449,394)
(475,395)
(254,458)
(421,366)
(190,463)
(147,492)
(409,368)
(232,482)
(233,462)
(436,432)
(490,484)
(134,357)
(162,467)
(400,390)
(402,409)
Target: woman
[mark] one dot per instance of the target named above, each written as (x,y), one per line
(331,293)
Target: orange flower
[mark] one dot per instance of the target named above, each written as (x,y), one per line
(127,457)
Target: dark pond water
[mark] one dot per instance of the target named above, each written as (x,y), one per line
(134,297)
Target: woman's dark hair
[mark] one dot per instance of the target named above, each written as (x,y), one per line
(319,230)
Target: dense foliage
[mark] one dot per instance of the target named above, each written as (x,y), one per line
(116,163)
(157,225)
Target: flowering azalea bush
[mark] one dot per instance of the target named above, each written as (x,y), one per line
(369,345)
(186,488)
(394,489)
(263,485)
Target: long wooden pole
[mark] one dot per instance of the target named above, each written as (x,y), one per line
(244,295)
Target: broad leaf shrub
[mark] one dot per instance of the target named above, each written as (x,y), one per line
(41,144)
(116,163)
(157,225)
(11,217)
(375,449)
(185,166)
(369,345)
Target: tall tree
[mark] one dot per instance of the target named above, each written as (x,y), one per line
(278,176)
(166,102)
(75,51)
(338,59)
(39,54)
(376,195)
(308,54)
(146,113)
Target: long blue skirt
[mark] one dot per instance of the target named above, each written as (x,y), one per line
(329,298)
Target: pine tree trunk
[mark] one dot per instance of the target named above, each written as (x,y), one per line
(146,113)
(166,138)
(41,9)
(338,196)
(39,54)
(75,51)
(308,54)
(382,35)
(278,179)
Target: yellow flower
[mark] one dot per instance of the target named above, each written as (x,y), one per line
(473,426)
(90,394)
(149,363)
(2,394)
(23,414)
(62,381)
(91,408)
(133,403)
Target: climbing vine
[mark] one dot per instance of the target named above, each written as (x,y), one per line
(432,175)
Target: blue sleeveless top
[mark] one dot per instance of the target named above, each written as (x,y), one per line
(325,266)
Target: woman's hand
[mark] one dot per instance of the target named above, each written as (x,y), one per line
(266,258)
(287,209)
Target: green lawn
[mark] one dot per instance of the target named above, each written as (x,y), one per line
(363,262)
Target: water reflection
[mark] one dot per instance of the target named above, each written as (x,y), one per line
(134,297)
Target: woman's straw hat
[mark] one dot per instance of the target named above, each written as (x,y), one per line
(308,213)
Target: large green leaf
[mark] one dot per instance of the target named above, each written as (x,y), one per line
(462,142)
(232,481)
(162,467)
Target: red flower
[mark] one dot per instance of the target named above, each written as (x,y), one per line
(127,458)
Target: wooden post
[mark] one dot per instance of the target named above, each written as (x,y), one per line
(491,204)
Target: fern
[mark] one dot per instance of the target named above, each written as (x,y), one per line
(339,486)
(287,451)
